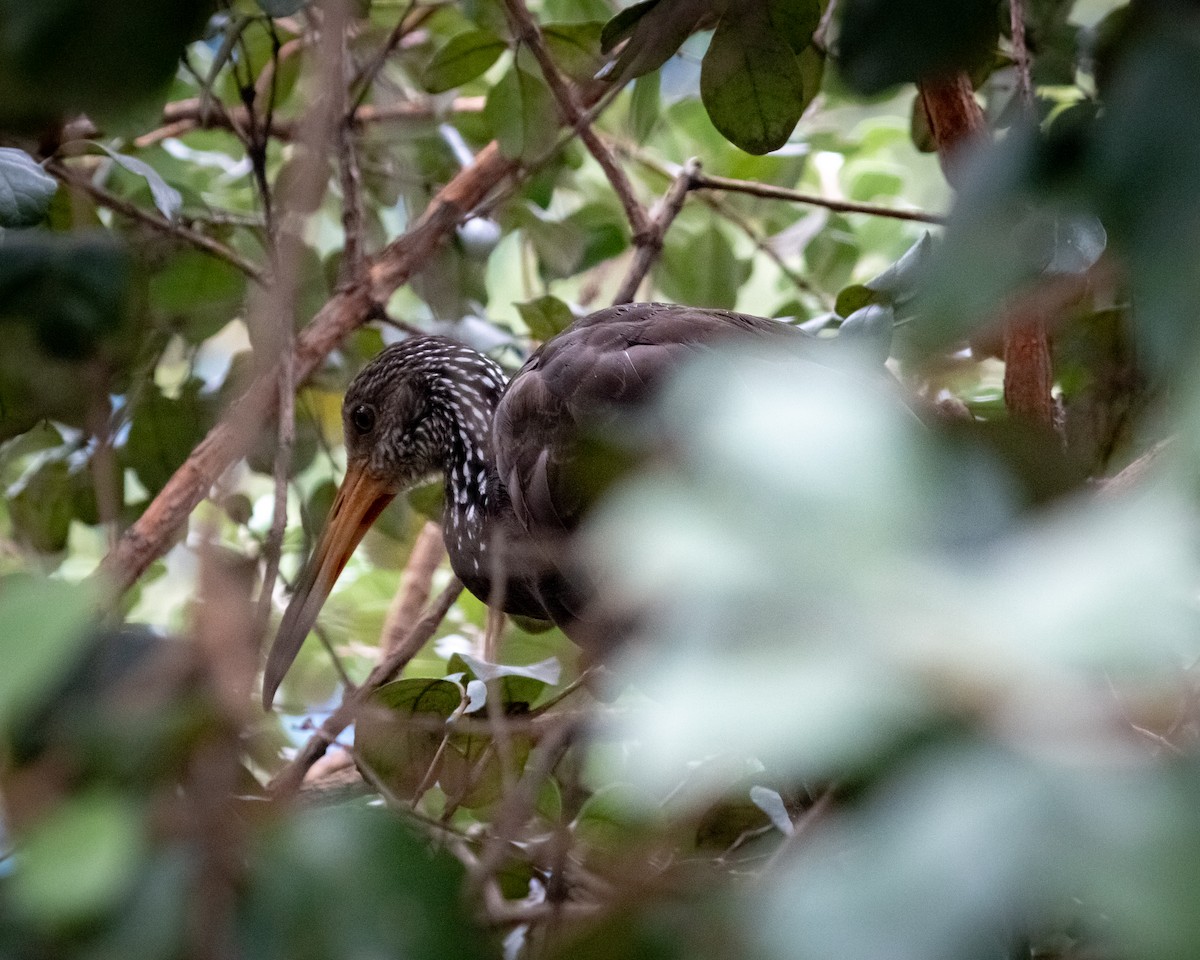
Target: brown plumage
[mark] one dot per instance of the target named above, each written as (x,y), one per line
(514,466)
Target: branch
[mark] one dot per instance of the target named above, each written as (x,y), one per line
(288,780)
(665,212)
(183,116)
(573,116)
(1028,370)
(955,118)
(957,123)
(1016,10)
(702,181)
(349,308)
(350,178)
(723,209)
(154,220)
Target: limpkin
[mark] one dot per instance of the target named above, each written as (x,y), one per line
(509,454)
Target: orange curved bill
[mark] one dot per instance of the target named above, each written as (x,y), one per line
(360,500)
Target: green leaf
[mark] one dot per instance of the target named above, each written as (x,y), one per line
(546,316)
(164,432)
(574,10)
(522,114)
(395,751)
(462,59)
(166,197)
(854,297)
(702,270)
(575,48)
(621,26)
(655,30)
(379,889)
(796,21)
(833,253)
(62,56)
(25,189)
(42,506)
(751,83)
(196,294)
(519,686)
(645,105)
(42,631)
(79,859)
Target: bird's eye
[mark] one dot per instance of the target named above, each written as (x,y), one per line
(363,418)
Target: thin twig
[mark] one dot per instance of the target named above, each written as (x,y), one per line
(1016,9)
(350,179)
(183,116)
(703,181)
(272,316)
(573,114)
(360,85)
(664,214)
(726,211)
(286,437)
(517,803)
(155,221)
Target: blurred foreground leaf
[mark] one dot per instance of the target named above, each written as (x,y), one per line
(42,631)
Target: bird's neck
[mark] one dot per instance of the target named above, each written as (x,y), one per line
(466,401)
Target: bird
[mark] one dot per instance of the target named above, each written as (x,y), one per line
(513,456)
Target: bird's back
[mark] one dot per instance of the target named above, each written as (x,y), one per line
(565,396)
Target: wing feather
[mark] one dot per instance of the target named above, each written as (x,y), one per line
(592,374)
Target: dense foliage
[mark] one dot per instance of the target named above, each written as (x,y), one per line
(912,676)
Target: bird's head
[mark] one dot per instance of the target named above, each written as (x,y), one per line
(402,418)
(391,429)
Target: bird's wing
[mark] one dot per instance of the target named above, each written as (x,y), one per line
(601,366)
